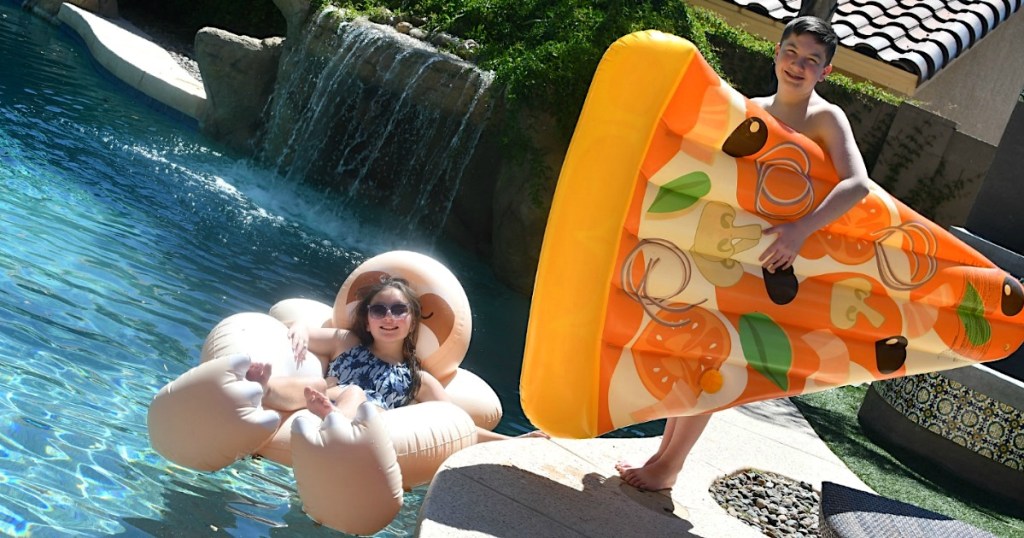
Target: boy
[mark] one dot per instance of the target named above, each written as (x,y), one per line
(803,58)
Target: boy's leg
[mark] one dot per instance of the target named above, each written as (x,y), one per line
(662,469)
(666,437)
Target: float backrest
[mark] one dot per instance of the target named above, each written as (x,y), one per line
(446,325)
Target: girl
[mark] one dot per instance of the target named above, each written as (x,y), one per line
(375,361)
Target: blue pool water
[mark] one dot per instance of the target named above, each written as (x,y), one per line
(125,238)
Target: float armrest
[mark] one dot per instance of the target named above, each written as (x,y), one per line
(210,416)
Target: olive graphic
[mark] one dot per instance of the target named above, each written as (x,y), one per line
(1012,300)
(890,354)
(746,139)
(781,285)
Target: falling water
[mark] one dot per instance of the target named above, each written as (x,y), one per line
(379,117)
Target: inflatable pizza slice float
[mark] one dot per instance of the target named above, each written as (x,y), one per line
(650,301)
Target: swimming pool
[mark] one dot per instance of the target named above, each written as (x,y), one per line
(125,238)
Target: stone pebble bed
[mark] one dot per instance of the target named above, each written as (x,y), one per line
(776,505)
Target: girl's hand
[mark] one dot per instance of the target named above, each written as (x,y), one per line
(331,381)
(298,334)
(782,252)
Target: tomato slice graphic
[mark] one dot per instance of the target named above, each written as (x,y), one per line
(664,354)
(850,239)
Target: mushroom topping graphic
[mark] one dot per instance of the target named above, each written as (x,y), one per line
(717,240)
(849,298)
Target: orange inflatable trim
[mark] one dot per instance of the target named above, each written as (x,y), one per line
(650,301)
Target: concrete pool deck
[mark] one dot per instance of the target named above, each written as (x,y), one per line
(559,487)
(539,487)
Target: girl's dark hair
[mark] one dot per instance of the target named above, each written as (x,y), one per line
(818,28)
(360,322)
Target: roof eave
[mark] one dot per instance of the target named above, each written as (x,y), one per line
(849,62)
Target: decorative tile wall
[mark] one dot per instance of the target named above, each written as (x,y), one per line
(958,413)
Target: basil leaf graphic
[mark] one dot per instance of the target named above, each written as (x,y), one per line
(680,193)
(766,348)
(972,314)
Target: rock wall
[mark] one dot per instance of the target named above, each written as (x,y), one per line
(312,106)
(380,118)
(996,214)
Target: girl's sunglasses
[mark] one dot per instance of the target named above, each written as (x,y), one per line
(380,311)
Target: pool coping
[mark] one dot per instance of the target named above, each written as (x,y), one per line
(136,61)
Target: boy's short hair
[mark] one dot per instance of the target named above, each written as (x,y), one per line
(818,28)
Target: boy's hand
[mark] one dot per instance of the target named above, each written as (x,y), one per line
(782,252)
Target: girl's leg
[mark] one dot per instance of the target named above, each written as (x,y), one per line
(482,435)
(349,398)
(282,393)
(662,469)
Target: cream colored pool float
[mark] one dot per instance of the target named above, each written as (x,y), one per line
(350,474)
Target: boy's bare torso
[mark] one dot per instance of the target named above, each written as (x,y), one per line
(813,118)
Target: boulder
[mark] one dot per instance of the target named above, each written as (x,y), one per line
(239,74)
(295,13)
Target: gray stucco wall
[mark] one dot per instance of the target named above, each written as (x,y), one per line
(979,89)
(997,211)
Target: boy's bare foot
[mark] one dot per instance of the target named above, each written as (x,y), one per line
(317,403)
(623,465)
(259,372)
(650,477)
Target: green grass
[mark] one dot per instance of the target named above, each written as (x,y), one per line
(833,415)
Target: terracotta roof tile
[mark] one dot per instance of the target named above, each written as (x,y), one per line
(920,36)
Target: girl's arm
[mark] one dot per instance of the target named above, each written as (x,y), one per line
(431,389)
(325,343)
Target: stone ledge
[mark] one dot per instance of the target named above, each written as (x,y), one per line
(924,430)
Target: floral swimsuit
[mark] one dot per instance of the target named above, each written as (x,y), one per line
(386,385)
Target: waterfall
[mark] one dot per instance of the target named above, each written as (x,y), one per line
(379,118)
